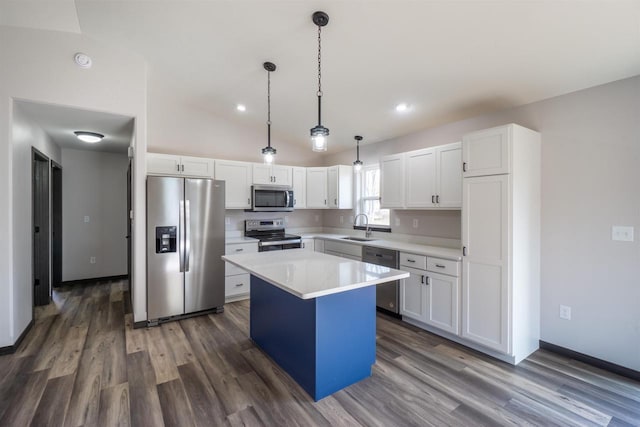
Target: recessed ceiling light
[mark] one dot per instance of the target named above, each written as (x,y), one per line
(401,108)
(83,60)
(241,107)
(90,137)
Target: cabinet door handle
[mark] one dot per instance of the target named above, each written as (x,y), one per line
(464,166)
(335,201)
(439,266)
(427,281)
(464,251)
(438,199)
(303,245)
(411,260)
(248,201)
(239,250)
(178,167)
(433,199)
(239,284)
(422,279)
(325,201)
(295,202)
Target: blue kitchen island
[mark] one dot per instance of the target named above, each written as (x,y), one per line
(315,315)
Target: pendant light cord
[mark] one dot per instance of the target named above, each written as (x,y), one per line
(269,108)
(319,74)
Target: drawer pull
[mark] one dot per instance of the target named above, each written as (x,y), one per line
(239,284)
(439,265)
(239,250)
(411,260)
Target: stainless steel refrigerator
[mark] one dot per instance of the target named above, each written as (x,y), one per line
(185,243)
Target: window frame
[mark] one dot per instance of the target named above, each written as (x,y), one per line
(361,199)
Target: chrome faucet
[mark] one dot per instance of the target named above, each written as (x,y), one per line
(367,229)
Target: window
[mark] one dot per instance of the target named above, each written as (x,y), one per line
(368,185)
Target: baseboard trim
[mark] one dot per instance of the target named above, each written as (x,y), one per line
(141,324)
(10,349)
(593,361)
(94,280)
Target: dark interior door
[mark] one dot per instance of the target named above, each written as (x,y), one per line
(129,223)
(56,224)
(40,193)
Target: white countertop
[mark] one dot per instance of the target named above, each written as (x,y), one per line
(307,274)
(414,248)
(236,240)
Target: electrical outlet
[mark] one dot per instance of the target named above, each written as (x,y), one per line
(341,219)
(621,233)
(86,218)
(92,260)
(565,312)
(227,220)
(415,223)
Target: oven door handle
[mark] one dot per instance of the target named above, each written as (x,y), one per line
(281,242)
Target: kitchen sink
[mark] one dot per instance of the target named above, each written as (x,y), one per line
(357,239)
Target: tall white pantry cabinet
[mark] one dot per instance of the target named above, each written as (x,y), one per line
(501,240)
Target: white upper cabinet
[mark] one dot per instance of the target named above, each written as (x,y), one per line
(237,176)
(392,181)
(487,152)
(420,178)
(430,178)
(167,164)
(272,174)
(340,187)
(316,188)
(449,176)
(299,188)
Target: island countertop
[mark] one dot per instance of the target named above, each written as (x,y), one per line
(308,274)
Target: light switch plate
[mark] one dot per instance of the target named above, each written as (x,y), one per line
(622,233)
(86,218)
(565,312)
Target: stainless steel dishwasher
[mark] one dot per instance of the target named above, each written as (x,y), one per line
(387,294)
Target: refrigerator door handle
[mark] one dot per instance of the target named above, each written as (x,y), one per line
(187,236)
(181,237)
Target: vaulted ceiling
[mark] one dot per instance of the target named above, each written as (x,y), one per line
(448,60)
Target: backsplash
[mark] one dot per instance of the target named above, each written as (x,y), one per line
(442,224)
(303,218)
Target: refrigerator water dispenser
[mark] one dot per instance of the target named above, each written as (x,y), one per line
(166,239)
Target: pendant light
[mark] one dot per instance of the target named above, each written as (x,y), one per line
(319,133)
(357,165)
(268,152)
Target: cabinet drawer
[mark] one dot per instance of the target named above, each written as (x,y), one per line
(444,266)
(236,285)
(412,260)
(241,248)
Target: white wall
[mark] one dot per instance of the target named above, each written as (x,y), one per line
(94,184)
(25,134)
(38,66)
(590,174)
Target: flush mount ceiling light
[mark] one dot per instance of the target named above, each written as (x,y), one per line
(241,107)
(268,152)
(403,107)
(357,165)
(90,137)
(319,133)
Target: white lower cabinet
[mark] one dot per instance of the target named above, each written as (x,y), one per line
(236,280)
(344,250)
(308,244)
(318,245)
(429,297)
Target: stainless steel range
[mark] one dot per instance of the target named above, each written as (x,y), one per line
(271,235)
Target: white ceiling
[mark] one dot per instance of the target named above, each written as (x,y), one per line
(449,60)
(60,123)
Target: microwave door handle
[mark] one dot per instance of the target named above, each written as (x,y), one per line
(286,193)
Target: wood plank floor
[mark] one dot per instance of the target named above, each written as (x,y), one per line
(82,364)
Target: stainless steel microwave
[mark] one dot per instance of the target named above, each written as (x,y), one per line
(271,198)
